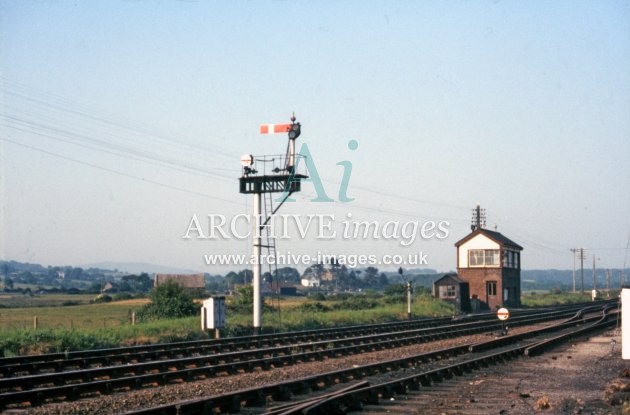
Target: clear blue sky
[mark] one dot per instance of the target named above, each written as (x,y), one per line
(122,119)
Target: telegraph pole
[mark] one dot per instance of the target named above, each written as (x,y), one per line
(573,250)
(582,256)
(594,274)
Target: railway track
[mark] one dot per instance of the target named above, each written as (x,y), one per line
(387,380)
(18,389)
(58,362)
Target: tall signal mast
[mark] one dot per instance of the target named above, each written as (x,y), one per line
(262,176)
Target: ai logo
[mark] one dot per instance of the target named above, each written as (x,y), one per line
(314,177)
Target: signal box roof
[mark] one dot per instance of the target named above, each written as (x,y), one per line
(495,236)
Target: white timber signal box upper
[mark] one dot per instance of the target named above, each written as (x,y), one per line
(491,264)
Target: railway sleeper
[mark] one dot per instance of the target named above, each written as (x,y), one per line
(425,380)
(281,393)
(200,407)
(233,405)
(412,384)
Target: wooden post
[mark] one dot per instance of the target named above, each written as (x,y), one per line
(35,322)
(133,318)
(217,333)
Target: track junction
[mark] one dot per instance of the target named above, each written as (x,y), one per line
(32,381)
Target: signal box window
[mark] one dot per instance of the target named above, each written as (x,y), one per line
(483,257)
(491,288)
(447,291)
(450,291)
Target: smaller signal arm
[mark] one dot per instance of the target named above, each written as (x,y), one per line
(294,130)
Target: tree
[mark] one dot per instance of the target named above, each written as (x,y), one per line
(353,281)
(8,283)
(244,299)
(396,290)
(370,277)
(168,301)
(246,275)
(289,275)
(232,278)
(382,280)
(245,295)
(137,283)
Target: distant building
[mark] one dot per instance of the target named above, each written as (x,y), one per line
(310,281)
(327,275)
(278,287)
(192,281)
(288,291)
(108,287)
(452,289)
(491,265)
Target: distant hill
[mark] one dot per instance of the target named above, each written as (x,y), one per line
(139,267)
(534,279)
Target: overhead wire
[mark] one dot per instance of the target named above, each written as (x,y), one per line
(110,170)
(95,144)
(44,101)
(49,101)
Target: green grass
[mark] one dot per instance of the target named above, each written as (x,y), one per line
(45,300)
(47,340)
(536,299)
(92,326)
(83,316)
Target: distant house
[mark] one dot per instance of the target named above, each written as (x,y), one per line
(192,281)
(327,275)
(491,264)
(108,287)
(310,281)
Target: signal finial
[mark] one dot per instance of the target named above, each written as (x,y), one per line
(293,117)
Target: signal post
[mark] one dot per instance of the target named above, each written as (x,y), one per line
(262,176)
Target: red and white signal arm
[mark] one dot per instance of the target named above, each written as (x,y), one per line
(274,128)
(503,313)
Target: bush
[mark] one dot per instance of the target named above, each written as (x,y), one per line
(168,301)
(319,297)
(70,303)
(313,307)
(102,298)
(122,296)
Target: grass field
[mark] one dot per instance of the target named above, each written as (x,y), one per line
(535,299)
(89,326)
(86,326)
(52,300)
(82,316)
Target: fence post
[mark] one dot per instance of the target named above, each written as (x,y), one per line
(35,322)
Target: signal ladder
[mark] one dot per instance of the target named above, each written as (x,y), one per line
(270,243)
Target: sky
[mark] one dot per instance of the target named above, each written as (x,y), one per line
(120,121)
